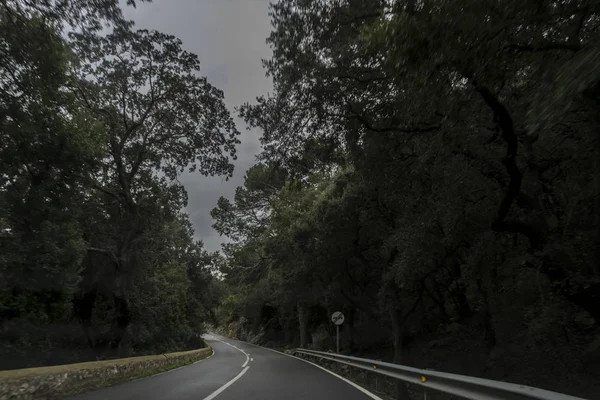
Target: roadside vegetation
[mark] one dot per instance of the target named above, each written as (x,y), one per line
(430,169)
(97,118)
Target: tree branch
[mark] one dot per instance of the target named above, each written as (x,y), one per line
(124,94)
(105,191)
(504,120)
(416,303)
(362,80)
(106,252)
(402,129)
(140,156)
(146,113)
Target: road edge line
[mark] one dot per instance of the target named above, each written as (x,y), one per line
(348,381)
(355,385)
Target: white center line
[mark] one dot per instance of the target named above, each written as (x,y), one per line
(237,348)
(225,386)
(238,376)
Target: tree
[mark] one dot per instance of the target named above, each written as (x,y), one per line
(330,84)
(249,214)
(160,118)
(172,291)
(448,136)
(48,143)
(509,72)
(77,14)
(94,131)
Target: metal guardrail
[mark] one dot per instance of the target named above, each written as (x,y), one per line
(458,385)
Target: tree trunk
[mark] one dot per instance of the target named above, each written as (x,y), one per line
(398,332)
(121,320)
(488,327)
(328,325)
(83,305)
(289,333)
(460,300)
(303,324)
(350,328)
(458,292)
(123,270)
(438,298)
(84,302)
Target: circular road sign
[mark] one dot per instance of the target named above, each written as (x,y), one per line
(337,318)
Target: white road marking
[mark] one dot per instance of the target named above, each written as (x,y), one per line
(238,376)
(225,386)
(237,348)
(362,389)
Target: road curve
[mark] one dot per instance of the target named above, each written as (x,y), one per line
(237,370)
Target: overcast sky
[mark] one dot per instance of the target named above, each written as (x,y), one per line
(229,37)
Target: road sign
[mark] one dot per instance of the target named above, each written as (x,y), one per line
(337,318)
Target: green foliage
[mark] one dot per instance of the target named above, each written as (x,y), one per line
(81,14)
(430,151)
(47,145)
(158,112)
(93,132)
(249,214)
(160,118)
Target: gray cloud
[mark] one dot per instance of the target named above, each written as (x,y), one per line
(229,37)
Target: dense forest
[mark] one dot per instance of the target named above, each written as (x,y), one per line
(97,259)
(431,169)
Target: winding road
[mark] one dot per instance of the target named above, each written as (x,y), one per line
(237,370)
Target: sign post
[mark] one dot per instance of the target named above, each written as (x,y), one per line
(337,318)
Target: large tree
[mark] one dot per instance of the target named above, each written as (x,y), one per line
(348,74)
(161,118)
(95,128)
(463,123)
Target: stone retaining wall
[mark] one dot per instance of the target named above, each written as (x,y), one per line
(60,381)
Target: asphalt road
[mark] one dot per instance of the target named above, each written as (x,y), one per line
(237,370)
